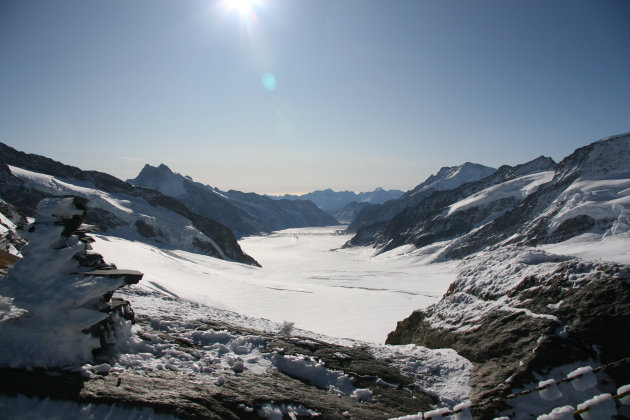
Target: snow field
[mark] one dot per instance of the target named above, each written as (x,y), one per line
(305,279)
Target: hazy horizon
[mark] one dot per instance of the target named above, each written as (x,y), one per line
(282,96)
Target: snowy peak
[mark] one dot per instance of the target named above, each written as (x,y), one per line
(332,201)
(609,157)
(452,177)
(244,213)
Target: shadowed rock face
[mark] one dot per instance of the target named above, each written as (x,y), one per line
(553,320)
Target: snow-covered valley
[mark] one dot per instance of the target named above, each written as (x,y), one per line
(505,294)
(306,278)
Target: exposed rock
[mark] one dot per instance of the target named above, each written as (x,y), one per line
(567,206)
(516,325)
(423,219)
(237,395)
(447,178)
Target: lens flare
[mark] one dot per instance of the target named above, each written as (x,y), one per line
(243,6)
(269,81)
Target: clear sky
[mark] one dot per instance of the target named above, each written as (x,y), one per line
(298,95)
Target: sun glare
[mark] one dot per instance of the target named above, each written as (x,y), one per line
(243,6)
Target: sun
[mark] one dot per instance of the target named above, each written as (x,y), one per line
(243,6)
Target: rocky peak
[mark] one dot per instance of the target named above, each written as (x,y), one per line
(601,158)
(450,177)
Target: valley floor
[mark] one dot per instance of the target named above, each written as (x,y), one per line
(306,278)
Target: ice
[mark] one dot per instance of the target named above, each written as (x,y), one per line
(464,411)
(550,391)
(363,394)
(599,407)
(43,310)
(559,413)
(437,414)
(518,188)
(585,378)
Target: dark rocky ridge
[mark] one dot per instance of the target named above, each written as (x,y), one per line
(12,189)
(349,212)
(508,347)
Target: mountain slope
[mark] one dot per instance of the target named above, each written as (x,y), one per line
(125,210)
(330,200)
(244,213)
(447,178)
(589,194)
(447,214)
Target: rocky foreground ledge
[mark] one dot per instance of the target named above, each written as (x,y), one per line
(522,316)
(310,379)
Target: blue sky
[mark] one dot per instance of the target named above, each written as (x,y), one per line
(301,95)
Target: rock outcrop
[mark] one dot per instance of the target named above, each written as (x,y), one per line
(520,316)
(57,306)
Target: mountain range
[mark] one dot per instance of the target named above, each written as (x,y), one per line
(533,203)
(244,213)
(114,205)
(331,201)
(532,321)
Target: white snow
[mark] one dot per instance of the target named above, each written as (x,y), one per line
(591,246)
(518,188)
(449,178)
(599,407)
(44,306)
(171,228)
(305,279)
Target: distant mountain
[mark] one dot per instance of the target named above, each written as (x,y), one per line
(244,213)
(116,206)
(534,203)
(330,200)
(349,212)
(447,178)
